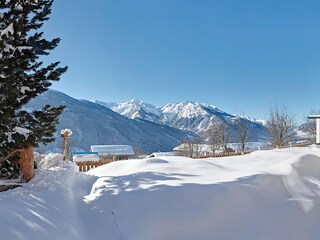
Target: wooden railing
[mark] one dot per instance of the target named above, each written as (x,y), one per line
(216,155)
(222,154)
(86,166)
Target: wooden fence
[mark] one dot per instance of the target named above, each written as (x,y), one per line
(217,155)
(86,166)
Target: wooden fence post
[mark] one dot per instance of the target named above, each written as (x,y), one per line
(27,163)
(65,139)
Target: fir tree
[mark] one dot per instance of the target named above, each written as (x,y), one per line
(23,75)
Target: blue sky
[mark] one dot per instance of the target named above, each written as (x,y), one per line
(242,56)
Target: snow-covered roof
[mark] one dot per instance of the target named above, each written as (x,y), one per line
(93,157)
(314,116)
(115,150)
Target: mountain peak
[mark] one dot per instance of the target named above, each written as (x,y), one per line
(136,101)
(136,108)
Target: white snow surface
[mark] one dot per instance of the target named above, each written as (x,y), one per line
(86,157)
(67,130)
(24,89)
(7,31)
(20,130)
(50,160)
(112,149)
(264,195)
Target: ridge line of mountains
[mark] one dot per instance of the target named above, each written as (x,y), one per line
(187,115)
(135,123)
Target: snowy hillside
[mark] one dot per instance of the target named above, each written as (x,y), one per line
(195,117)
(94,124)
(264,195)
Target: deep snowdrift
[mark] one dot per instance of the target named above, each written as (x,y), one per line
(263,195)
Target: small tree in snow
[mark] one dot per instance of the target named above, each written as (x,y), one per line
(244,133)
(215,136)
(190,148)
(280,126)
(219,134)
(23,76)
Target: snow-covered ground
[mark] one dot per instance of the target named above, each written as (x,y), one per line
(264,195)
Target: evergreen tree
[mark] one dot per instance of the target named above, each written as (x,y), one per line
(23,75)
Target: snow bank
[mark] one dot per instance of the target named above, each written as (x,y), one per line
(265,195)
(37,157)
(50,206)
(51,160)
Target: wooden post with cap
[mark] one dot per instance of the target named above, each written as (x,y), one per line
(65,134)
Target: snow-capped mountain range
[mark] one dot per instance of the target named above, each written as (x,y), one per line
(190,116)
(135,123)
(94,124)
